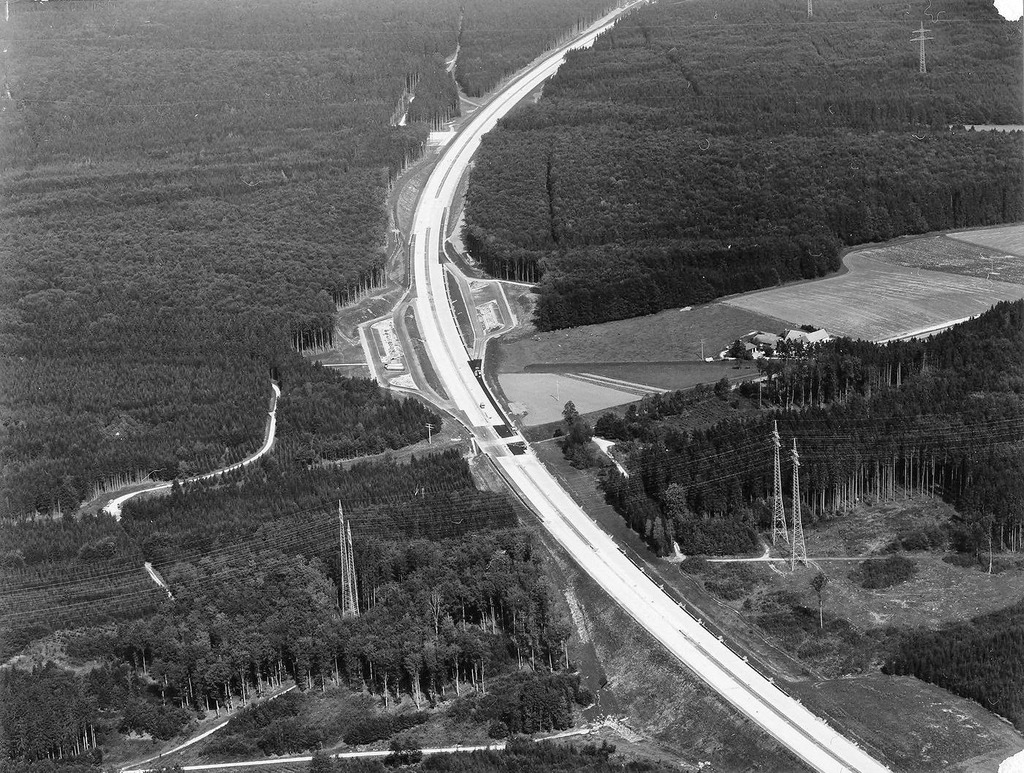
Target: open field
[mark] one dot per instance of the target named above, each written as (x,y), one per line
(939,593)
(965,253)
(877,300)
(1005,238)
(538,398)
(919,726)
(669,336)
(658,376)
(539,372)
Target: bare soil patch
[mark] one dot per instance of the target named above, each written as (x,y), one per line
(538,398)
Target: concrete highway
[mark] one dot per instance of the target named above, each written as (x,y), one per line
(784,718)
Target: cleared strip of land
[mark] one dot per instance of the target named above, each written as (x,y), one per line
(876,299)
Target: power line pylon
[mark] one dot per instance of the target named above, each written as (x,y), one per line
(921,38)
(778,509)
(348,593)
(810,8)
(799,552)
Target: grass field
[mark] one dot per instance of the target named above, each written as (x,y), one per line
(939,593)
(669,336)
(965,254)
(876,299)
(1005,238)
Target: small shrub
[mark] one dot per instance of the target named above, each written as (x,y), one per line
(378,728)
(497,729)
(715,536)
(963,560)
(287,736)
(694,565)
(232,746)
(732,582)
(404,751)
(885,573)
(931,537)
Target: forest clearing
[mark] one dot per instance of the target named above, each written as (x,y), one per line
(876,299)
(920,727)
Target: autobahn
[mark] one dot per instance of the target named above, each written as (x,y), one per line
(755,696)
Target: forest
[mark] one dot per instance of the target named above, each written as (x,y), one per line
(702,149)
(941,417)
(161,169)
(980,659)
(450,592)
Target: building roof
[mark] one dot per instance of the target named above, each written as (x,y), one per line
(814,337)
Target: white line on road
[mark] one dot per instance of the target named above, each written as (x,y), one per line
(805,734)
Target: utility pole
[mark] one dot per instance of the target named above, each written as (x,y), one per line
(430,432)
(348,593)
(921,38)
(702,350)
(778,508)
(799,552)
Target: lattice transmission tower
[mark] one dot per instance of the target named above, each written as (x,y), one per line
(348,593)
(921,38)
(778,509)
(799,552)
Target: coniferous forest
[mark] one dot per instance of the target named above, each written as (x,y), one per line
(941,417)
(707,148)
(188,195)
(449,588)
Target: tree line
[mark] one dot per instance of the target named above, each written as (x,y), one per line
(451,596)
(979,659)
(940,417)
(441,618)
(672,164)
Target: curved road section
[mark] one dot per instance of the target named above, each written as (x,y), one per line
(783,717)
(114,506)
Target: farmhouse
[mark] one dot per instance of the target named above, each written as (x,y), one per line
(808,337)
(766,339)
